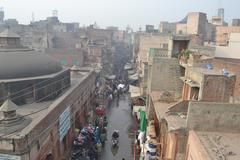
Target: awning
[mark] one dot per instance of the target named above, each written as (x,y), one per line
(134,91)
(131,72)
(128,67)
(133,77)
(136,110)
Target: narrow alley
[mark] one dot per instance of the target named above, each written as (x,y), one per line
(119,118)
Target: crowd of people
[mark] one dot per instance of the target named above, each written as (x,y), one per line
(91,138)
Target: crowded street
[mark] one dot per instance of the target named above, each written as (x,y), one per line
(119,118)
(110,136)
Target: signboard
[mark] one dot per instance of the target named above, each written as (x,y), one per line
(9,157)
(64,122)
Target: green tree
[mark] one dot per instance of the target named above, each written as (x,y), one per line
(185,53)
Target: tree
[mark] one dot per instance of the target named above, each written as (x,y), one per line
(185,53)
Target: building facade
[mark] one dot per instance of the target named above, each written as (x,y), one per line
(41,102)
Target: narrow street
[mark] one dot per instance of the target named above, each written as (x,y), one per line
(119,117)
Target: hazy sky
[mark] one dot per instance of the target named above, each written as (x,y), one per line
(136,13)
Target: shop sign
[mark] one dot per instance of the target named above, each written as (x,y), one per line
(64,122)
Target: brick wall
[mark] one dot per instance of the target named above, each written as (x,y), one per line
(196,23)
(40,140)
(234,67)
(217,88)
(195,149)
(223,32)
(150,41)
(211,116)
(165,76)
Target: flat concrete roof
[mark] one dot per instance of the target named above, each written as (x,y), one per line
(220,145)
(44,109)
(206,71)
(175,120)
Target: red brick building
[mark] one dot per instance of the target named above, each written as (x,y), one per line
(41,103)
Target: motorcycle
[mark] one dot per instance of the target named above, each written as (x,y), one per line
(115,137)
(114,142)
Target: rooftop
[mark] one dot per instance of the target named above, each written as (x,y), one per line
(7,33)
(18,62)
(220,145)
(36,112)
(174,112)
(203,50)
(205,71)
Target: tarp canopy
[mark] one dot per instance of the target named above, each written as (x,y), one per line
(128,67)
(120,86)
(134,91)
(143,120)
(133,77)
(131,72)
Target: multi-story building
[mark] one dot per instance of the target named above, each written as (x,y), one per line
(218,20)
(41,102)
(223,34)
(166,45)
(150,28)
(196,23)
(172,116)
(166,27)
(213,135)
(236,22)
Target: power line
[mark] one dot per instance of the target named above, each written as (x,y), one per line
(19,91)
(3,98)
(45,107)
(50,126)
(62,88)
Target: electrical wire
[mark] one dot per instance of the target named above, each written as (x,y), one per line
(46,107)
(3,98)
(62,88)
(51,125)
(19,91)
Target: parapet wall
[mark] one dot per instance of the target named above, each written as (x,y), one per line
(211,116)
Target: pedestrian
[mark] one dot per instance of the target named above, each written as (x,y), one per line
(110,97)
